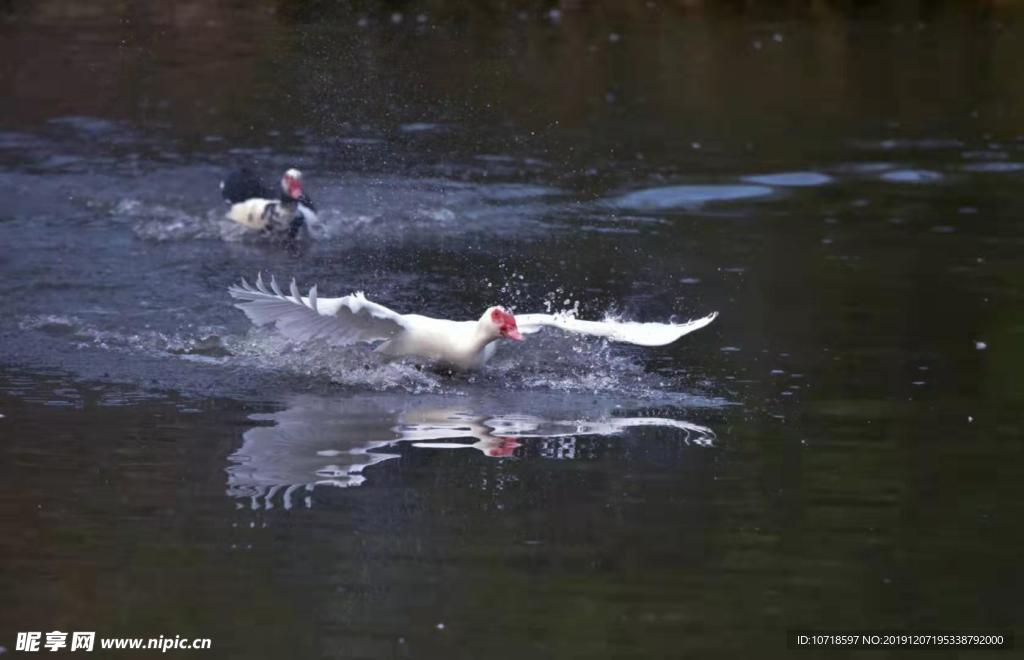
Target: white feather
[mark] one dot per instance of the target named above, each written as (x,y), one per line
(338,321)
(262,214)
(630,332)
(252,213)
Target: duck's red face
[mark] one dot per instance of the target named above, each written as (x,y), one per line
(292,185)
(502,447)
(506,324)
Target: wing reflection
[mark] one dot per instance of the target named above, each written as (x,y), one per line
(318,441)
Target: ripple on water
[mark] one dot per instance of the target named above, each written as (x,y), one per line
(791,179)
(420,127)
(863,168)
(994,167)
(203,344)
(925,144)
(911,176)
(88,125)
(687,196)
(514,192)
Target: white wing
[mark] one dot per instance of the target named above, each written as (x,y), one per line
(630,332)
(338,321)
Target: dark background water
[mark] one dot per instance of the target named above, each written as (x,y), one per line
(841,449)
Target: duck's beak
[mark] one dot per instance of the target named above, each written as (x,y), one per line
(512,333)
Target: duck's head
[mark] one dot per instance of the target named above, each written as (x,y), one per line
(501,446)
(499,323)
(291,184)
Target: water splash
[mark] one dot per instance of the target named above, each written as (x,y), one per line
(157,222)
(336,224)
(352,366)
(547,361)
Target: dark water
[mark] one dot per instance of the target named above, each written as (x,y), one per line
(841,449)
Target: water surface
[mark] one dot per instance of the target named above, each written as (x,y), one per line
(841,448)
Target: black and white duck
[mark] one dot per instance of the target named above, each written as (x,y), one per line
(255,206)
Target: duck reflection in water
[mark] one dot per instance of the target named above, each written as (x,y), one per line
(319,441)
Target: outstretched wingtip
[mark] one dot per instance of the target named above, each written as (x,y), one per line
(699,323)
(243,289)
(312,299)
(662,335)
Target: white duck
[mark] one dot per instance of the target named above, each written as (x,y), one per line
(463,345)
(253,206)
